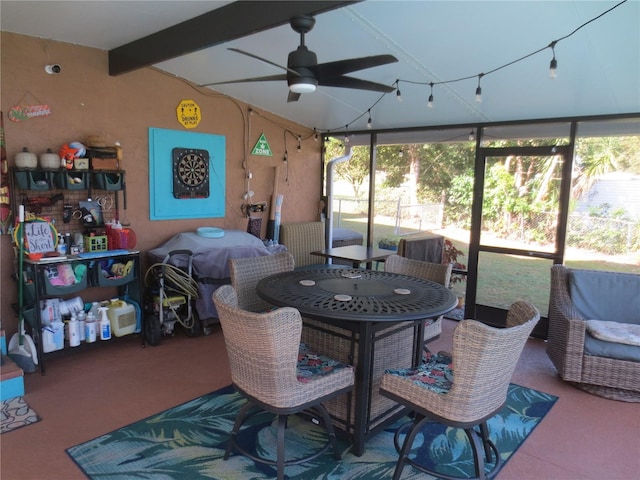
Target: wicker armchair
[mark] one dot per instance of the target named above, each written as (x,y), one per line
(274,372)
(301,239)
(436,272)
(607,377)
(466,390)
(247,272)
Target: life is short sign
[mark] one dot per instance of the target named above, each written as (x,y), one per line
(40,237)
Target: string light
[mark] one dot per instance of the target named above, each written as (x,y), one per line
(316,137)
(479,89)
(553,65)
(369,123)
(552,72)
(472,136)
(299,143)
(346,134)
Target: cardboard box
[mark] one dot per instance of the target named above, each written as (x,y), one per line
(105,163)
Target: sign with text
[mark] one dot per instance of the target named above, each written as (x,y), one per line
(188,113)
(262,147)
(40,236)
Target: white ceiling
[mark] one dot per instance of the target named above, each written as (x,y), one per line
(435,41)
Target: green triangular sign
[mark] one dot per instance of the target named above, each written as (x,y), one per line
(262,147)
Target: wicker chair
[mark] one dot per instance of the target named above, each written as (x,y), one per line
(247,272)
(428,247)
(274,372)
(436,272)
(606,377)
(466,390)
(301,239)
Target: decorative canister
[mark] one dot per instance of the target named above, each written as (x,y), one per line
(49,159)
(26,159)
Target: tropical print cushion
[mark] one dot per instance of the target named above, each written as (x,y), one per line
(312,364)
(435,373)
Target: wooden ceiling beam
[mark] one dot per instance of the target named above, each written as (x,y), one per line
(232,21)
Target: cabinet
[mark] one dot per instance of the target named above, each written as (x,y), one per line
(38,286)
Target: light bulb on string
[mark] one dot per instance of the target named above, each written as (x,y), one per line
(315,136)
(479,89)
(430,101)
(398,94)
(346,134)
(299,144)
(401,153)
(553,65)
(369,123)
(472,135)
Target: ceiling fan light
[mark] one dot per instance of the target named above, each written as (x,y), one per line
(302,86)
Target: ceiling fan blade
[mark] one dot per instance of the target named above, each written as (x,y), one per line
(293,96)
(237,50)
(340,67)
(356,83)
(281,76)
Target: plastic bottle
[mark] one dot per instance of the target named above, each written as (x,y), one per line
(94,310)
(82,325)
(62,248)
(105,324)
(74,334)
(90,328)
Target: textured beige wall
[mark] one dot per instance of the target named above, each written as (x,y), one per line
(85,100)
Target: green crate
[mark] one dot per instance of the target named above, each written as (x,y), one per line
(99,243)
(60,290)
(34,179)
(72,180)
(111,181)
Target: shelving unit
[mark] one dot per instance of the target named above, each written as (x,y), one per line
(45,193)
(38,287)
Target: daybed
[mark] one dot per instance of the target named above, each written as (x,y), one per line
(594,337)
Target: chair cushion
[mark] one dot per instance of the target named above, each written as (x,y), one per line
(435,373)
(604,295)
(312,364)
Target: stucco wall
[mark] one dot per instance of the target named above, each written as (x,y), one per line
(85,100)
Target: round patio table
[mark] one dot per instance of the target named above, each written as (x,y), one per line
(366,303)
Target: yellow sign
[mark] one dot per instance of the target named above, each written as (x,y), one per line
(188,113)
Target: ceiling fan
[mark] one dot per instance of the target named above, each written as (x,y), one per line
(304,74)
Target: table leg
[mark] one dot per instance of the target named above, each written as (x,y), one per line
(363,383)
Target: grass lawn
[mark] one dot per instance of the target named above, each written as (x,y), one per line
(506,278)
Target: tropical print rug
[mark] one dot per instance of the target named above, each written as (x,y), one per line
(16,413)
(188,442)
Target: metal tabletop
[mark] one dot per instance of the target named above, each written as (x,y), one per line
(356,254)
(374,296)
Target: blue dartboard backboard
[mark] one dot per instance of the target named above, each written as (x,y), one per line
(163,204)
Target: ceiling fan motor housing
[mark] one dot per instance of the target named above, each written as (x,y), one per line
(302,61)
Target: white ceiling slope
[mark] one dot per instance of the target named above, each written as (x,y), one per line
(434,41)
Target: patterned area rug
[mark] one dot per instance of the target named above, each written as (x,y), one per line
(16,413)
(188,441)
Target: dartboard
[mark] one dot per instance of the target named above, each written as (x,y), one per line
(190,173)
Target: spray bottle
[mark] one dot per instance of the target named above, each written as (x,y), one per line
(105,324)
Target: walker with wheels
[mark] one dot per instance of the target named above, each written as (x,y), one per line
(171,293)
